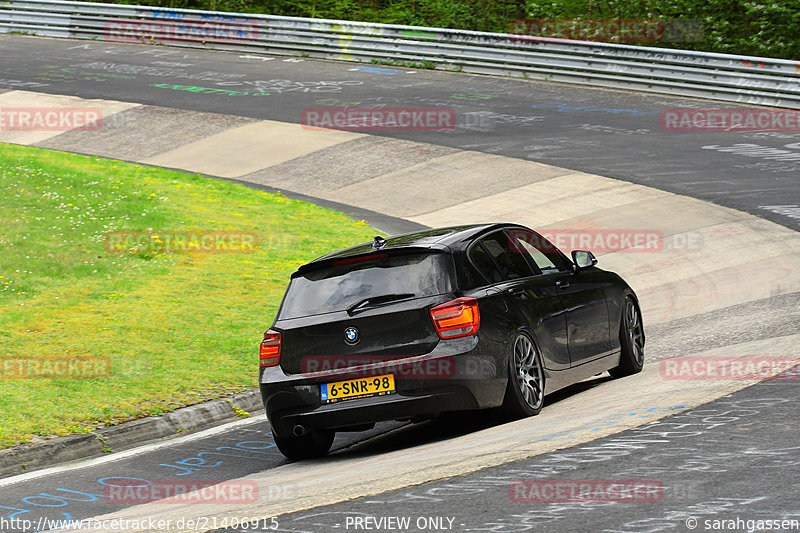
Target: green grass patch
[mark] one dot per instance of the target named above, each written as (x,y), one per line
(424,64)
(177,328)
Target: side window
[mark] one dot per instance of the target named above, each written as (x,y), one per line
(498,260)
(544,254)
(484,263)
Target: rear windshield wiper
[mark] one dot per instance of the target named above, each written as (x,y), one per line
(377,300)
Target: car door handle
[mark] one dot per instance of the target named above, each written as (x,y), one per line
(562,284)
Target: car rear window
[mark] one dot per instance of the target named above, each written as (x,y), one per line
(342,286)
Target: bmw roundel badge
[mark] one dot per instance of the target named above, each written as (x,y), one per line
(351,335)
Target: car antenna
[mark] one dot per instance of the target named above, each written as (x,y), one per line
(378,243)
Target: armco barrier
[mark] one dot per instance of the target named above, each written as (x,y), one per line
(748,80)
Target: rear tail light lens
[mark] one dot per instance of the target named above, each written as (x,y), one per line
(270,349)
(456,318)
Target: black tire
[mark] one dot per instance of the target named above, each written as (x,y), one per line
(631,339)
(316,444)
(525,390)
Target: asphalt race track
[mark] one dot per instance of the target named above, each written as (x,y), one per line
(611,133)
(705,474)
(723,450)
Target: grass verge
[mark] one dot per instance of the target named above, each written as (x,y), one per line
(175,328)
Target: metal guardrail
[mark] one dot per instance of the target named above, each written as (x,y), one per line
(750,80)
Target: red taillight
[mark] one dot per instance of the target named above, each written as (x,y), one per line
(456,318)
(270,349)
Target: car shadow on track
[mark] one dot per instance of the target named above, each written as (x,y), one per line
(447,426)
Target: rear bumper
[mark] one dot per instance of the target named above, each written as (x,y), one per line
(354,413)
(473,383)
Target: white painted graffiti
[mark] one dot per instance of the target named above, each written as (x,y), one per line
(171,64)
(662,440)
(285,86)
(791,211)
(159,71)
(20,83)
(613,130)
(116,50)
(487,120)
(776,159)
(262,58)
(758,135)
(334,102)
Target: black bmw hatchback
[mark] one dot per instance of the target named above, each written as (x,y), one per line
(449,319)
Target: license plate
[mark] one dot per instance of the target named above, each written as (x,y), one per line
(357,388)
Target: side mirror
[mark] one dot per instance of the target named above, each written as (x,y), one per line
(583,259)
